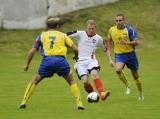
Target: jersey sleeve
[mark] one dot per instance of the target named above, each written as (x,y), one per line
(68,41)
(37,42)
(101,44)
(132,33)
(74,34)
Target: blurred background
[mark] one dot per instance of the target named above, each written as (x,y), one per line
(21,21)
(31,14)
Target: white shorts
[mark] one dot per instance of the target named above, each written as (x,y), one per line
(83,67)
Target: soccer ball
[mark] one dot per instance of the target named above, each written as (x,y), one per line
(92,97)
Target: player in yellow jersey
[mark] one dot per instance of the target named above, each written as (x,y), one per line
(124,39)
(52,44)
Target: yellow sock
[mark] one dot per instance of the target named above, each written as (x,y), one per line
(123,79)
(29,90)
(76,93)
(139,85)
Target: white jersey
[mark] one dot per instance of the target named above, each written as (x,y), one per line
(87,45)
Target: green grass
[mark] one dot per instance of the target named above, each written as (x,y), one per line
(52,98)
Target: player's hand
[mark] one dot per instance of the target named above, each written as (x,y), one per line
(25,67)
(75,58)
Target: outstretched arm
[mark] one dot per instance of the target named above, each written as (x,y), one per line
(30,55)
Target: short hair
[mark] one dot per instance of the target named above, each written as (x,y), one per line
(52,22)
(91,22)
(120,14)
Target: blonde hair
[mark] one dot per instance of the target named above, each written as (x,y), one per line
(91,22)
(120,14)
(52,22)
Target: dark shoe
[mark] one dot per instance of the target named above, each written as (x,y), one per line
(22,106)
(81,108)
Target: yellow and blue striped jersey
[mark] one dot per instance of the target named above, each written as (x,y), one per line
(125,35)
(53,43)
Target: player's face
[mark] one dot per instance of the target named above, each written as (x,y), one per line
(120,21)
(91,30)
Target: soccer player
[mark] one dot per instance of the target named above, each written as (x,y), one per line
(125,39)
(87,63)
(52,44)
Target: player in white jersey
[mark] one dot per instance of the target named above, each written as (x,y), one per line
(87,63)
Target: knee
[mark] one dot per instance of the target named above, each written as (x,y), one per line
(94,76)
(85,84)
(84,81)
(136,77)
(36,79)
(118,70)
(71,81)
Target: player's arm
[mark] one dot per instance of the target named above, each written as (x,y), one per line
(109,45)
(103,45)
(133,43)
(132,36)
(30,55)
(75,50)
(31,52)
(70,44)
(73,34)
(108,54)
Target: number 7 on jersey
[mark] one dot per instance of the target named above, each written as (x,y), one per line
(52,38)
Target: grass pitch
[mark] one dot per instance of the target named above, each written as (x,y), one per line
(52,97)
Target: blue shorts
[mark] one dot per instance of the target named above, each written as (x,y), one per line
(129,59)
(54,64)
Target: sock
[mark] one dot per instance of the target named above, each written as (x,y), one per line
(99,85)
(29,90)
(139,85)
(76,93)
(88,88)
(123,79)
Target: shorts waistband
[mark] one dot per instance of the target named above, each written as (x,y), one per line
(54,56)
(125,53)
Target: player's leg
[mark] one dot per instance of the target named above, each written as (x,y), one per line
(119,67)
(93,68)
(75,90)
(43,72)
(99,85)
(63,70)
(133,65)
(138,83)
(30,89)
(87,86)
(82,72)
